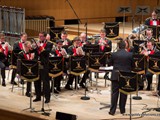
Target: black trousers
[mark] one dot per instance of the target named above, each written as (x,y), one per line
(45,89)
(3,74)
(114,98)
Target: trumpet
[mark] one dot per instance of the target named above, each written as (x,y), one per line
(63,52)
(79,51)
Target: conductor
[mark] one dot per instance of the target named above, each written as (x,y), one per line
(121,61)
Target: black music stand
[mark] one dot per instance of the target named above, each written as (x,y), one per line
(55,33)
(139,68)
(142,10)
(91,48)
(138,45)
(96,60)
(77,67)
(128,85)
(154,67)
(112,29)
(124,10)
(56,65)
(14,58)
(29,71)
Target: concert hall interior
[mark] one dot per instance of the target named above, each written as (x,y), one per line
(38,28)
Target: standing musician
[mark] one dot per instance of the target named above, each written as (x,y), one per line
(44,47)
(4,49)
(104,42)
(83,38)
(121,61)
(75,50)
(153,20)
(149,51)
(66,41)
(59,51)
(28,55)
(18,46)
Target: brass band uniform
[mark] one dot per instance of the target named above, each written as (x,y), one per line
(44,48)
(4,49)
(18,46)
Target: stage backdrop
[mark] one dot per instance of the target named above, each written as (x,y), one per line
(87,10)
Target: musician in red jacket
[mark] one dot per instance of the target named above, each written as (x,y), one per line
(28,55)
(4,49)
(75,50)
(153,20)
(18,45)
(149,50)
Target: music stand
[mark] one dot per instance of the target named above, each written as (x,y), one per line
(128,85)
(77,67)
(14,58)
(55,33)
(124,10)
(56,65)
(91,48)
(138,45)
(112,29)
(139,61)
(142,10)
(29,71)
(154,67)
(96,60)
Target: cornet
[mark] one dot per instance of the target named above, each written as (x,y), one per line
(79,51)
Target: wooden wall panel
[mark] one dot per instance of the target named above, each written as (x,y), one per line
(85,9)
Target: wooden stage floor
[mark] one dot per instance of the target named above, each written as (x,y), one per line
(70,102)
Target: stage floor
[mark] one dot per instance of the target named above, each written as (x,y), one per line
(70,102)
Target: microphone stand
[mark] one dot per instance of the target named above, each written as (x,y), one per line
(43,111)
(79,21)
(85,97)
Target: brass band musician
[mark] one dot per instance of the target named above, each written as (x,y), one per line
(4,49)
(28,55)
(18,46)
(149,50)
(104,42)
(75,50)
(44,48)
(59,51)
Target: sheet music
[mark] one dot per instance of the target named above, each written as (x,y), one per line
(110,68)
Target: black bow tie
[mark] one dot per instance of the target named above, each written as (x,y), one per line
(154,19)
(41,41)
(3,43)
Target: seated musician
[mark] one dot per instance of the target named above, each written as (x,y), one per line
(149,50)
(149,35)
(75,50)
(104,42)
(66,41)
(28,55)
(18,46)
(59,51)
(153,20)
(4,49)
